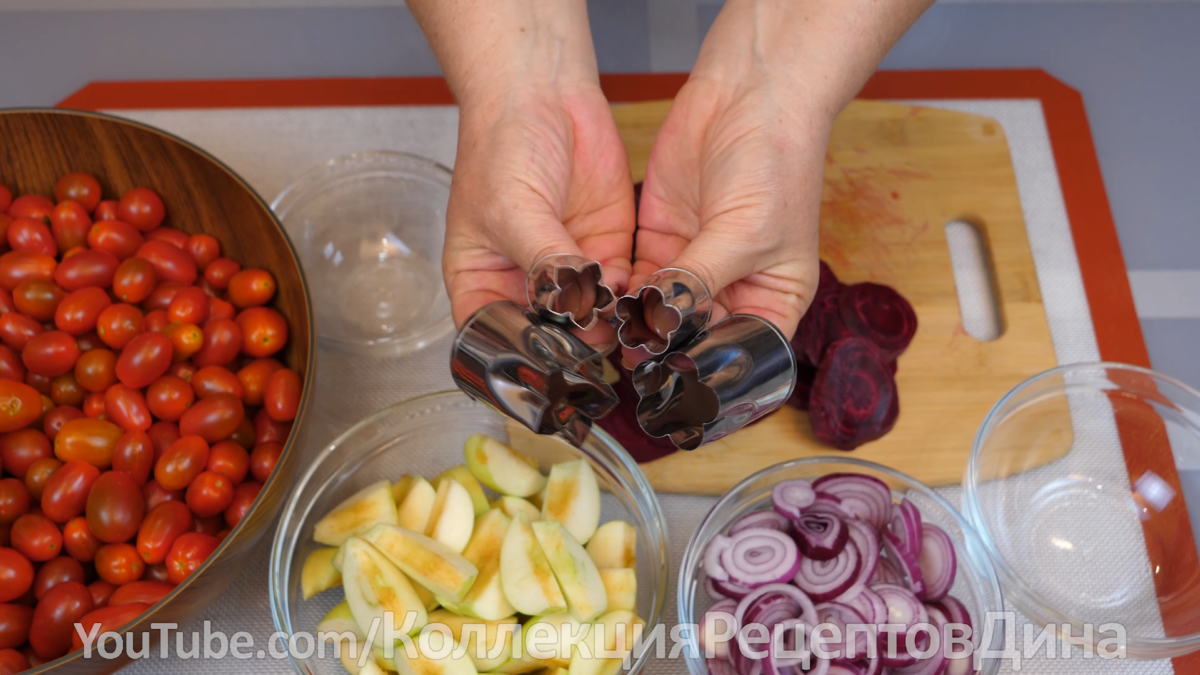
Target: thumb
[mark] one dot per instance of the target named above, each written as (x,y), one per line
(719,260)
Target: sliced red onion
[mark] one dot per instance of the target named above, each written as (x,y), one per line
(871,666)
(820,536)
(955,611)
(803,607)
(937,561)
(828,504)
(744,664)
(732,589)
(827,579)
(710,587)
(870,606)
(767,520)
(842,615)
(866,540)
(905,524)
(714,621)
(712,558)
(905,563)
(861,496)
(775,664)
(903,607)
(720,667)
(886,573)
(790,497)
(758,557)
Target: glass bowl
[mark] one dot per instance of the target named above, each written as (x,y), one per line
(975,584)
(425,435)
(369,229)
(1077,483)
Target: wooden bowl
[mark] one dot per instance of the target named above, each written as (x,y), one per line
(37,147)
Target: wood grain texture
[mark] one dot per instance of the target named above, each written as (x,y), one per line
(894,176)
(201,195)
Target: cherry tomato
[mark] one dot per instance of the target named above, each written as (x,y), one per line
(254,379)
(11,366)
(144,360)
(188,553)
(281,399)
(163,434)
(168,235)
(115,507)
(144,592)
(181,462)
(204,249)
(20,449)
(13,661)
(186,339)
(169,397)
(54,572)
(101,592)
(171,263)
(26,234)
(14,626)
(190,305)
(142,208)
(31,206)
(65,390)
(93,406)
(79,187)
(105,210)
(38,298)
(86,269)
(119,564)
(55,616)
(184,370)
(220,309)
(118,324)
(162,526)
(157,321)
(116,237)
(96,369)
(264,331)
(209,494)
(78,540)
(214,418)
(79,312)
(5,198)
(244,436)
(51,353)
(7,304)
(154,494)
(107,620)
(69,224)
(127,408)
(20,405)
(228,459)
(222,343)
(134,280)
(16,574)
(66,493)
(17,330)
(36,537)
(57,418)
(243,498)
(220,271)
(263,459)
(267,430)
(91,440)
(251,288)
(134,454)
(162,295)
(14,499)
(18,266)
(38,475)
(212,380)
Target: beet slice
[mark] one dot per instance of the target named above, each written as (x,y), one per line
(805,374)
(821,326)
(854,398)
(622,422)
(879,314)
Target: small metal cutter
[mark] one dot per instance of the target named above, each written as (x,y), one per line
(737,371)
(536,372)
(568,290)
(670,308)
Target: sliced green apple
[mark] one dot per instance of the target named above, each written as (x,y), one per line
(454,662)
(413,513)
(610,639)
(511,505)
(453,516)
(362,510)
(374,587)
(401,487)
(614,545)
(425,561)
(573,498)
(620,585)
(577,575)
(487,537)
(501,468)
(552,638)
(495,641)
(318,573)
(486,599)
(468,480)
(525,574)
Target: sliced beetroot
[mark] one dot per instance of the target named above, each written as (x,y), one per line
(622,422)
(821,326)
(828,278)
(879,314)
(854,397)
(805,374)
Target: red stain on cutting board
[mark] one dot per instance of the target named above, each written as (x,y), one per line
(856,204)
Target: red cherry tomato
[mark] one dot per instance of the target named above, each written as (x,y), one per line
(118,324)
(20,405)
(31,206)
(168,235)
(115,507)
(93,406)
(281,399)
(37,476)
(66,391)
(209,494)
(15,499)
(107,620)
(20,449)
(51,353)
(101,592)
(18,266)
(184,370)
(85,269)
(127,408)
(190,305)
(154,494)
(214,418)
(145,592)
(55,616)
(119,564)
(169,397)
(188,553)
(219,309)
(254,378)
(79,312)
(162,526)
(186,339)
(212,380)
(171,263)
(58,417)
(17,330)
(92,440)
(181,462)
(142,208)
(267,430)
(263,459)
(163,434)
(243,498)
(222,343)
(144,360)
(96,369)
(162,295)
(264,331)
(79,187)
(134,454)
(229,459)
(36,537)
(251,288)
(105,210)
(11,366)
(220,271)
(38,298)
(13,661)
(157,321)
(118,238)
(69,224)
(14,628)
(204,249)
(26,234)
(54,572)
(78,540)
(66,493)
(16,574)
(134,280)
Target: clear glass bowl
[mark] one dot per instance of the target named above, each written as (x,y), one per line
(425,435)
(369,230)
(1079,533)
(975,585)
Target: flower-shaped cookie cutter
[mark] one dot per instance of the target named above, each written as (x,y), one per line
(733,373)
(534,371)
(670,308)
(569,290)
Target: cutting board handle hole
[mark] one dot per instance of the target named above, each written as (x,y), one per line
(974,280)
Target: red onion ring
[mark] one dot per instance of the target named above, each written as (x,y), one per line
(906,525)
(827,579)
(790,497)
(861,496)
(955,611)
(774,665)
(886,573)
(710,587)
(903,607)
(758,557)
(720,611)
(869,605)
(805,609)
(712,558)
(768,520)
(937,561)
(905,564)
(720,667)
(842,615)
(866,540)
(731,589)
(820,536)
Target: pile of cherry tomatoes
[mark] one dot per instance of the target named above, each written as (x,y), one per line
(141,409)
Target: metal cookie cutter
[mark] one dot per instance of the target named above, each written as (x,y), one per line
(737,371)
(671,306)
(569,290)
(538,373)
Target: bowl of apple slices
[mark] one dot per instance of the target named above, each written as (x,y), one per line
(438,538)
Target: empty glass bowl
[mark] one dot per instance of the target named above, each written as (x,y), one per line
(425,436)
(1077,483)
(369,229)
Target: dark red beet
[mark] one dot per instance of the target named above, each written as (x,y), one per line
(805,374)
(854,398)
(827,279)
(821,325)
(879,314)
(622,422)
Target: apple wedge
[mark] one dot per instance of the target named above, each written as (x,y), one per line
(339,629)
(453,516)
(497,646)
(620,585)
(425,561)
(486,599)
(552,638)
(318,573)
(487,538)
(525,574)
(375,587)
(441,659)
(361,511)
(612,637)
(573,499)
(501,468)
(413,513)
(401,487)
(511,505)
(468,480)
(614,546)
(577,575)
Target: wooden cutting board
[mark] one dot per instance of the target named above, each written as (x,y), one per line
(895,175)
